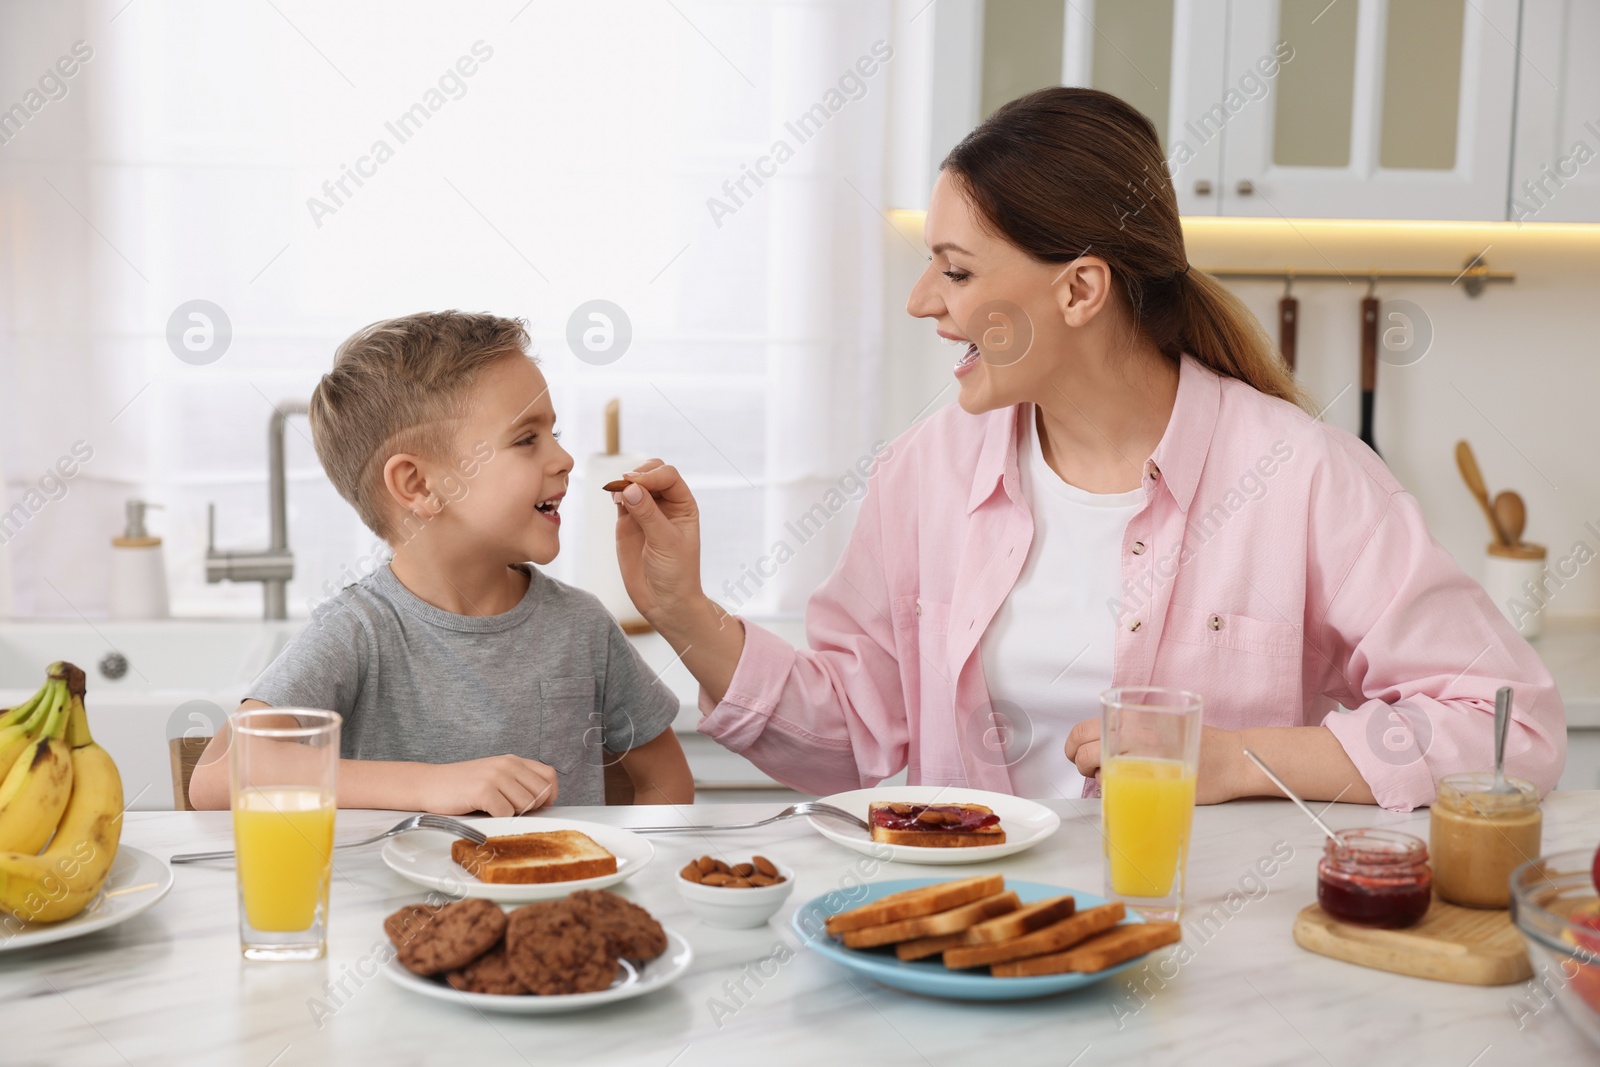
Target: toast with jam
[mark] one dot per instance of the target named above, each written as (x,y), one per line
(934,825)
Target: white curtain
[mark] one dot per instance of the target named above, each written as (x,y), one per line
(533,157)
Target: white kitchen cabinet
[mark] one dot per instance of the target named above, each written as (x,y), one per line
(1388,109)
(1305,108)
(1555,173)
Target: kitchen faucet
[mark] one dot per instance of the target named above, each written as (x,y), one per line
(274,566)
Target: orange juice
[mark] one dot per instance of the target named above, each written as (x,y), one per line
(284,841)
(1148,805)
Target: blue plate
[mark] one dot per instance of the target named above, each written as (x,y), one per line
(930,976)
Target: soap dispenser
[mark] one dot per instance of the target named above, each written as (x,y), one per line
(138,570)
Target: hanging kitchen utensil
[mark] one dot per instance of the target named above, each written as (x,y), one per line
(1288,322)
(1467,463)
(1369,361)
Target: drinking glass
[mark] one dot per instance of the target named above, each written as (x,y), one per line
(1150,753)
(283,766)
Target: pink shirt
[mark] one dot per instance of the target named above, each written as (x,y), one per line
(1277,568)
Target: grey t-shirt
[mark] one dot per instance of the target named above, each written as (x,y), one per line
(554,679)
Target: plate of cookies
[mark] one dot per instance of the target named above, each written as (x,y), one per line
(979,938)
(584,950)
(935,824)
(527,858)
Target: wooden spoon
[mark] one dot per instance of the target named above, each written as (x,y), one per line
(1511,515)
(1470,474)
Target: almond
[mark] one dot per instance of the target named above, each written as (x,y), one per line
(765,866)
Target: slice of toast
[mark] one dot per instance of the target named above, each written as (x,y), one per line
(1062,935)
(934,825)
(943,922)
(923,947)
(914,903)
(547,856)
(1097,953)
(1035,916)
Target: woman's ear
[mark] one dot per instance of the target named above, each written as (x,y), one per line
(407,485)
(1082,288)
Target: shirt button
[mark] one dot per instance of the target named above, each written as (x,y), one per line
(1138,548)
(919,607)
(1135,627)
(1215,622)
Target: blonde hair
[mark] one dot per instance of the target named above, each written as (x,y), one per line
(401,385)
(1065,172)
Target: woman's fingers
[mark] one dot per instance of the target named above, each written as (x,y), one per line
(1083,747)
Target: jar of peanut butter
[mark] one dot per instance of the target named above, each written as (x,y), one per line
(1478,837)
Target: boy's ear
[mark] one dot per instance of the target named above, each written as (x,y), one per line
(407,486)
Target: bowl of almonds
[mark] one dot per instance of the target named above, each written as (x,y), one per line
(738,895)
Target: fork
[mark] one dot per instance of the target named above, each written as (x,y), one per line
(415,822)
(805,807)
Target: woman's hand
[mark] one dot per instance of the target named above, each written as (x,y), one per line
(658,540)
(1217,747)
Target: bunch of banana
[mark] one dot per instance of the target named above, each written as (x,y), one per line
(61,793)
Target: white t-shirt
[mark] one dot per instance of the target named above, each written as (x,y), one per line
(1048,653)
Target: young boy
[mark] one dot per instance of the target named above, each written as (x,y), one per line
(468,680)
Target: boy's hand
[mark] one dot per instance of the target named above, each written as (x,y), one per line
(500,785)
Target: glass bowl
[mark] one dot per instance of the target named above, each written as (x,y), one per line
(1553,903)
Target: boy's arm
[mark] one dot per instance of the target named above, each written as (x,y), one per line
(659,772)
(500,785)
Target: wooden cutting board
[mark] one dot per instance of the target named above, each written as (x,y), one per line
(1469,946)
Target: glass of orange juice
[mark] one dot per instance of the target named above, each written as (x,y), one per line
(283,765)
(1150,753)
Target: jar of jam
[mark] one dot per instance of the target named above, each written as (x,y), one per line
(1375,878)
(1478,837)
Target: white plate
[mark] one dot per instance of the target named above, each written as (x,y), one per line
(633,982)
(424,857)
(1025,822)
(137,880)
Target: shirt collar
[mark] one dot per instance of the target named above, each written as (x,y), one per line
(1178,459)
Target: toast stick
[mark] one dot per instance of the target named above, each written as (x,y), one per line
(1035,916)
(953,921)
(1064,934)
(914,903)
(1096,954)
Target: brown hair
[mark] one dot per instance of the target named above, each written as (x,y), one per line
(1064,172)
(400,385)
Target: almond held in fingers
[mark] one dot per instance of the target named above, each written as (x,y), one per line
(1062,935)
(915,903)
(617,486)
(1096,954)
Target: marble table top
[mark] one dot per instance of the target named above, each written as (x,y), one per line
(169,987)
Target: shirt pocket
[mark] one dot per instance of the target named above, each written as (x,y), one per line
(571,732)
(1250,665)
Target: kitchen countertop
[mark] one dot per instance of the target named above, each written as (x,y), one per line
(169,987)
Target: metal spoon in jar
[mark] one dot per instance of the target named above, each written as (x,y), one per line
(1290,793)
(1502,719)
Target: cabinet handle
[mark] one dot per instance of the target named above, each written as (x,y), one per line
(1245,188)
(1202,187)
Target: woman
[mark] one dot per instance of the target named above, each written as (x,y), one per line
(1131,490)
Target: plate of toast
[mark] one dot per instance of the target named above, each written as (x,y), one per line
(938,824)
(979,938)
(526,858)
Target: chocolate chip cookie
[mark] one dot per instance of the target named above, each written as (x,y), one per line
(458,934)
(630,932)
(409,921)
(489,973)
(553,951)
